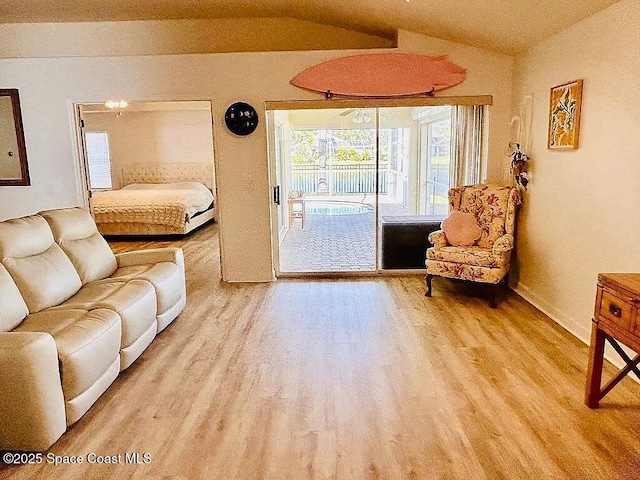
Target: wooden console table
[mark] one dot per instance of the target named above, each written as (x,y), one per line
(616,319)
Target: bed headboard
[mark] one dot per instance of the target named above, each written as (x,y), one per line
(167,173)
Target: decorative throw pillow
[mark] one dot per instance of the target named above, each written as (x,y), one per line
(461,229)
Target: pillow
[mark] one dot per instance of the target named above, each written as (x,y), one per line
(461,229)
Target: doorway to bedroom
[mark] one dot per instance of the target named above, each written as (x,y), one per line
(147,168)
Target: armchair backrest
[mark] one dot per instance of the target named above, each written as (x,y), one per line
(494,207)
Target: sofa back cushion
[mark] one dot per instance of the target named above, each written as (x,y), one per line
(43,273)
(12,307)
(76,232)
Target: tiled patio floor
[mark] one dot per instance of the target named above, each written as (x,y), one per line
(333,243)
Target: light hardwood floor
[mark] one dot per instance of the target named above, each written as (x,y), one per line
(352,379)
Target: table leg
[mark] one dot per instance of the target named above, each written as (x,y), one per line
(594,370)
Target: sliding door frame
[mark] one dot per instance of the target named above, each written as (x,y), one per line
(378,102)
(333,103)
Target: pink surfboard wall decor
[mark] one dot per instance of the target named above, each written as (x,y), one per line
(381,75)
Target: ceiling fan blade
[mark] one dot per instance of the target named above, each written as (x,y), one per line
(348,112)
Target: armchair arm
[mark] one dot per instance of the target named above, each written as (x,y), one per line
(438,239)
(32,416)
(503,244)
(154,255)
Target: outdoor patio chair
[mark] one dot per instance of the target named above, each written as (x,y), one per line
(296,205)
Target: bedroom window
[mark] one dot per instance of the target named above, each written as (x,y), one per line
(98,160)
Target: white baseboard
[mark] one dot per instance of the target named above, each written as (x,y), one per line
(565,321)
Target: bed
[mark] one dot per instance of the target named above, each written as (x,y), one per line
(157,199)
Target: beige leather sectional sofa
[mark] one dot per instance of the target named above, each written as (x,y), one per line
(72,316)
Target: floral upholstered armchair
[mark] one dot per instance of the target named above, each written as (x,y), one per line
(488,259)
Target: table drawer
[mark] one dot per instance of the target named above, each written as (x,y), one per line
(616,310)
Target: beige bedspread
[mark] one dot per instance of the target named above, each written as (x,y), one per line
(161,204)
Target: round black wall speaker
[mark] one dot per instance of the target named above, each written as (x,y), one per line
(241,118)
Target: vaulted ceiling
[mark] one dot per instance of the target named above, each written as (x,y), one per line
(508,26)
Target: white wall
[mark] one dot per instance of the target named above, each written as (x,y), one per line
(50,86)
(488,73)
(163,136)
(580,214)
(167,37)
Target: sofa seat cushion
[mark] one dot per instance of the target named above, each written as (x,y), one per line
(89,295)
(481,257)
(133,301)
(165,277)
(88,343)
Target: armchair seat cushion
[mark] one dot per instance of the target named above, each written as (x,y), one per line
(481,257)
(463,271)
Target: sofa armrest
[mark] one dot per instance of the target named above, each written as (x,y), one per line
(154,255)
(503,244)
(438,239)
(32,416)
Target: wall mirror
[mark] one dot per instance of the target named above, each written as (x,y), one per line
(13,153)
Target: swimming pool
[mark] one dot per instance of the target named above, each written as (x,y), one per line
(336,208)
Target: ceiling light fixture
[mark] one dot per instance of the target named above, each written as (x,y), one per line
(116,106)
(361,116)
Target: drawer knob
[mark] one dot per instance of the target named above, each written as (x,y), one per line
(615,310)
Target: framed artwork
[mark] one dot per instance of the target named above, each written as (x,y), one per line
(564,116)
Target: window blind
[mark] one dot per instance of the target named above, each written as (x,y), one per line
(99,162)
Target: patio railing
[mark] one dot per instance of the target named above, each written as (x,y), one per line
(338,179)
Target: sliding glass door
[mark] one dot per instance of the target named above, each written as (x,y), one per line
(435,159)
(359,189)
(414,178)
(326,181)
